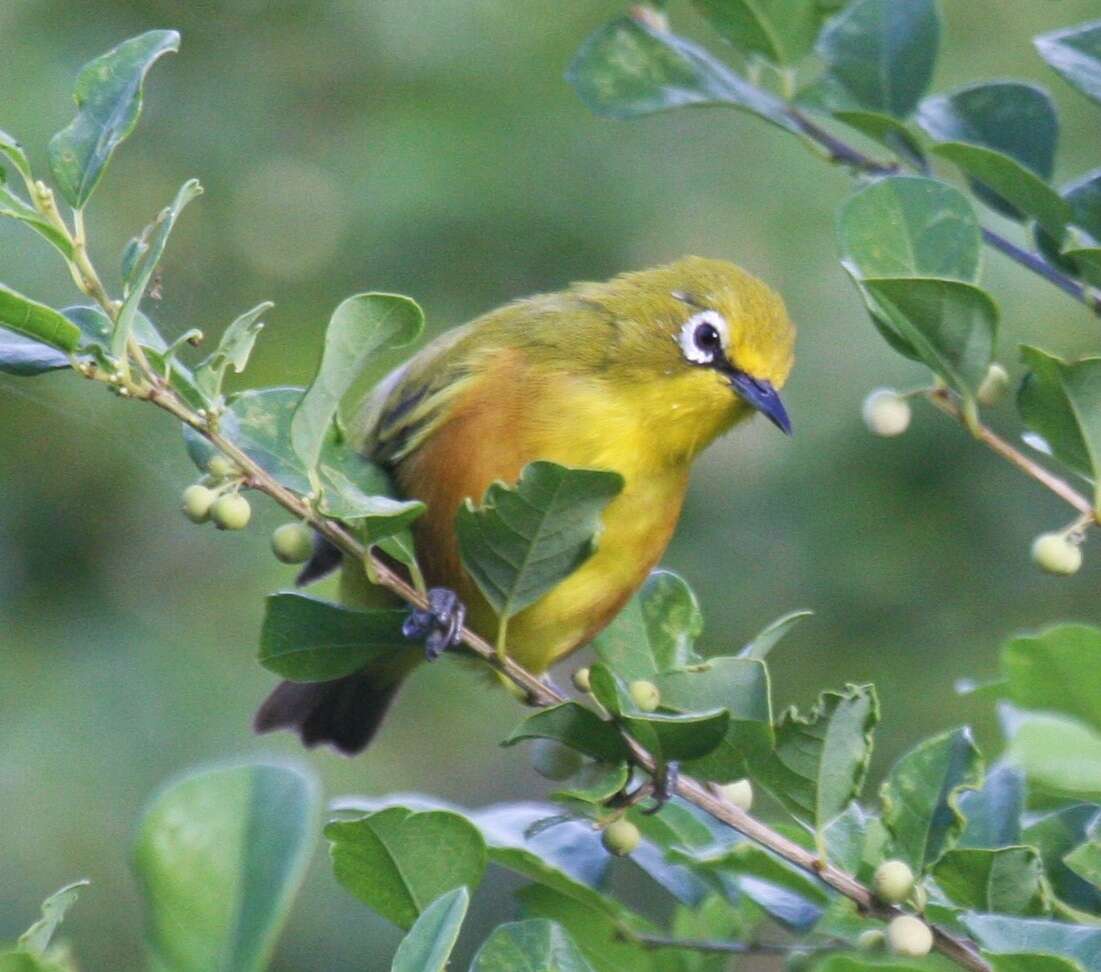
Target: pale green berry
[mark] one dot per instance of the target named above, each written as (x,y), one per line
(740,793)
(231,512)
(221,468)
(620,837)
(196,502)
(645,695)
(554,761)
(893,881)
(871,940)
(909,936)
(1056,554)
(886,413)
(292,543)
(581,680)
(994,386)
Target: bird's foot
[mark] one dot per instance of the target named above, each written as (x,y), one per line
(665,785)
(440,625)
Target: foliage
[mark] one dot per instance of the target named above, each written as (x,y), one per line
(1009,858)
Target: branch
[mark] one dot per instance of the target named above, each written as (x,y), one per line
(540,694)
(842,153)
(1060,487)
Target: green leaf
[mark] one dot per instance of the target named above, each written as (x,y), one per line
(910,226)
(524,540)
(948,325)
(852,963)
(22,356)
(25,962)
(882,53)
(147,263)
(108,96)
(772,634)
(785,892)
(781,31)
(1057,670)
(993,812)
(1059,755)
(1025,192)
(741,687)
(220,855)
(37,321)
(1075,52)
(363,325)
(233,351)
(1009,880)
(820,760)
(1055,835)
(921,797)
(1085,861)
(1014,119)
(428,945)
(259,422)
(399,862)
(1061,401)
(14,207)
(655,632)
(36,939)
(627,69)
(1004,934)
(596,783)
(12,150)
(1077,253)
(1031,962)
(597,934)
(668,737)
(536,945)
(309,640)
(576,726)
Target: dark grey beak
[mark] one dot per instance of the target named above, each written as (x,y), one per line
(763,397)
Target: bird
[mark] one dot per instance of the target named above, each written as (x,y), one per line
(637,375)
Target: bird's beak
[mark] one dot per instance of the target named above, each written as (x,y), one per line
(763,397)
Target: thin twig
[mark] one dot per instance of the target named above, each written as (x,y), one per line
(843,153)
(943,400)
(713,945)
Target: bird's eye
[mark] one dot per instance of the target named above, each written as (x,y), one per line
(707,338)
(703,337)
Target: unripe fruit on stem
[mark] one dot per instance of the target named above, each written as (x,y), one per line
(196,503)
(620,837)
(886,413)
(645,695)
(909,936)
(740,793)
(292,543)
(893,881)
(221,468)
(994,386)
(1056,554)
(581,680)
(231,512)
(553,760)
(871,940)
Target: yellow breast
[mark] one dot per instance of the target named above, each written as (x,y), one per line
(509,417)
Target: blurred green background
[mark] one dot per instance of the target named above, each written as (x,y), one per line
(431,147)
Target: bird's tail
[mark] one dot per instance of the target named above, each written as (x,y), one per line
(344,713)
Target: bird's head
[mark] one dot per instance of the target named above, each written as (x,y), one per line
(698,344)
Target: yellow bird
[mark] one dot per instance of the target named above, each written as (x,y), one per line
(636,375)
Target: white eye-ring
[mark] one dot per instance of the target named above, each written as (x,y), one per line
(703,337)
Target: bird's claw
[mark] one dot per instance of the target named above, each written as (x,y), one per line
(440,624)
(665,785)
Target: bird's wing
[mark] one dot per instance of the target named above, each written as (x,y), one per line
(412,401)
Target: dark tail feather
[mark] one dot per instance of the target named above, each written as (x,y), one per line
(324,560)
(344,713)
